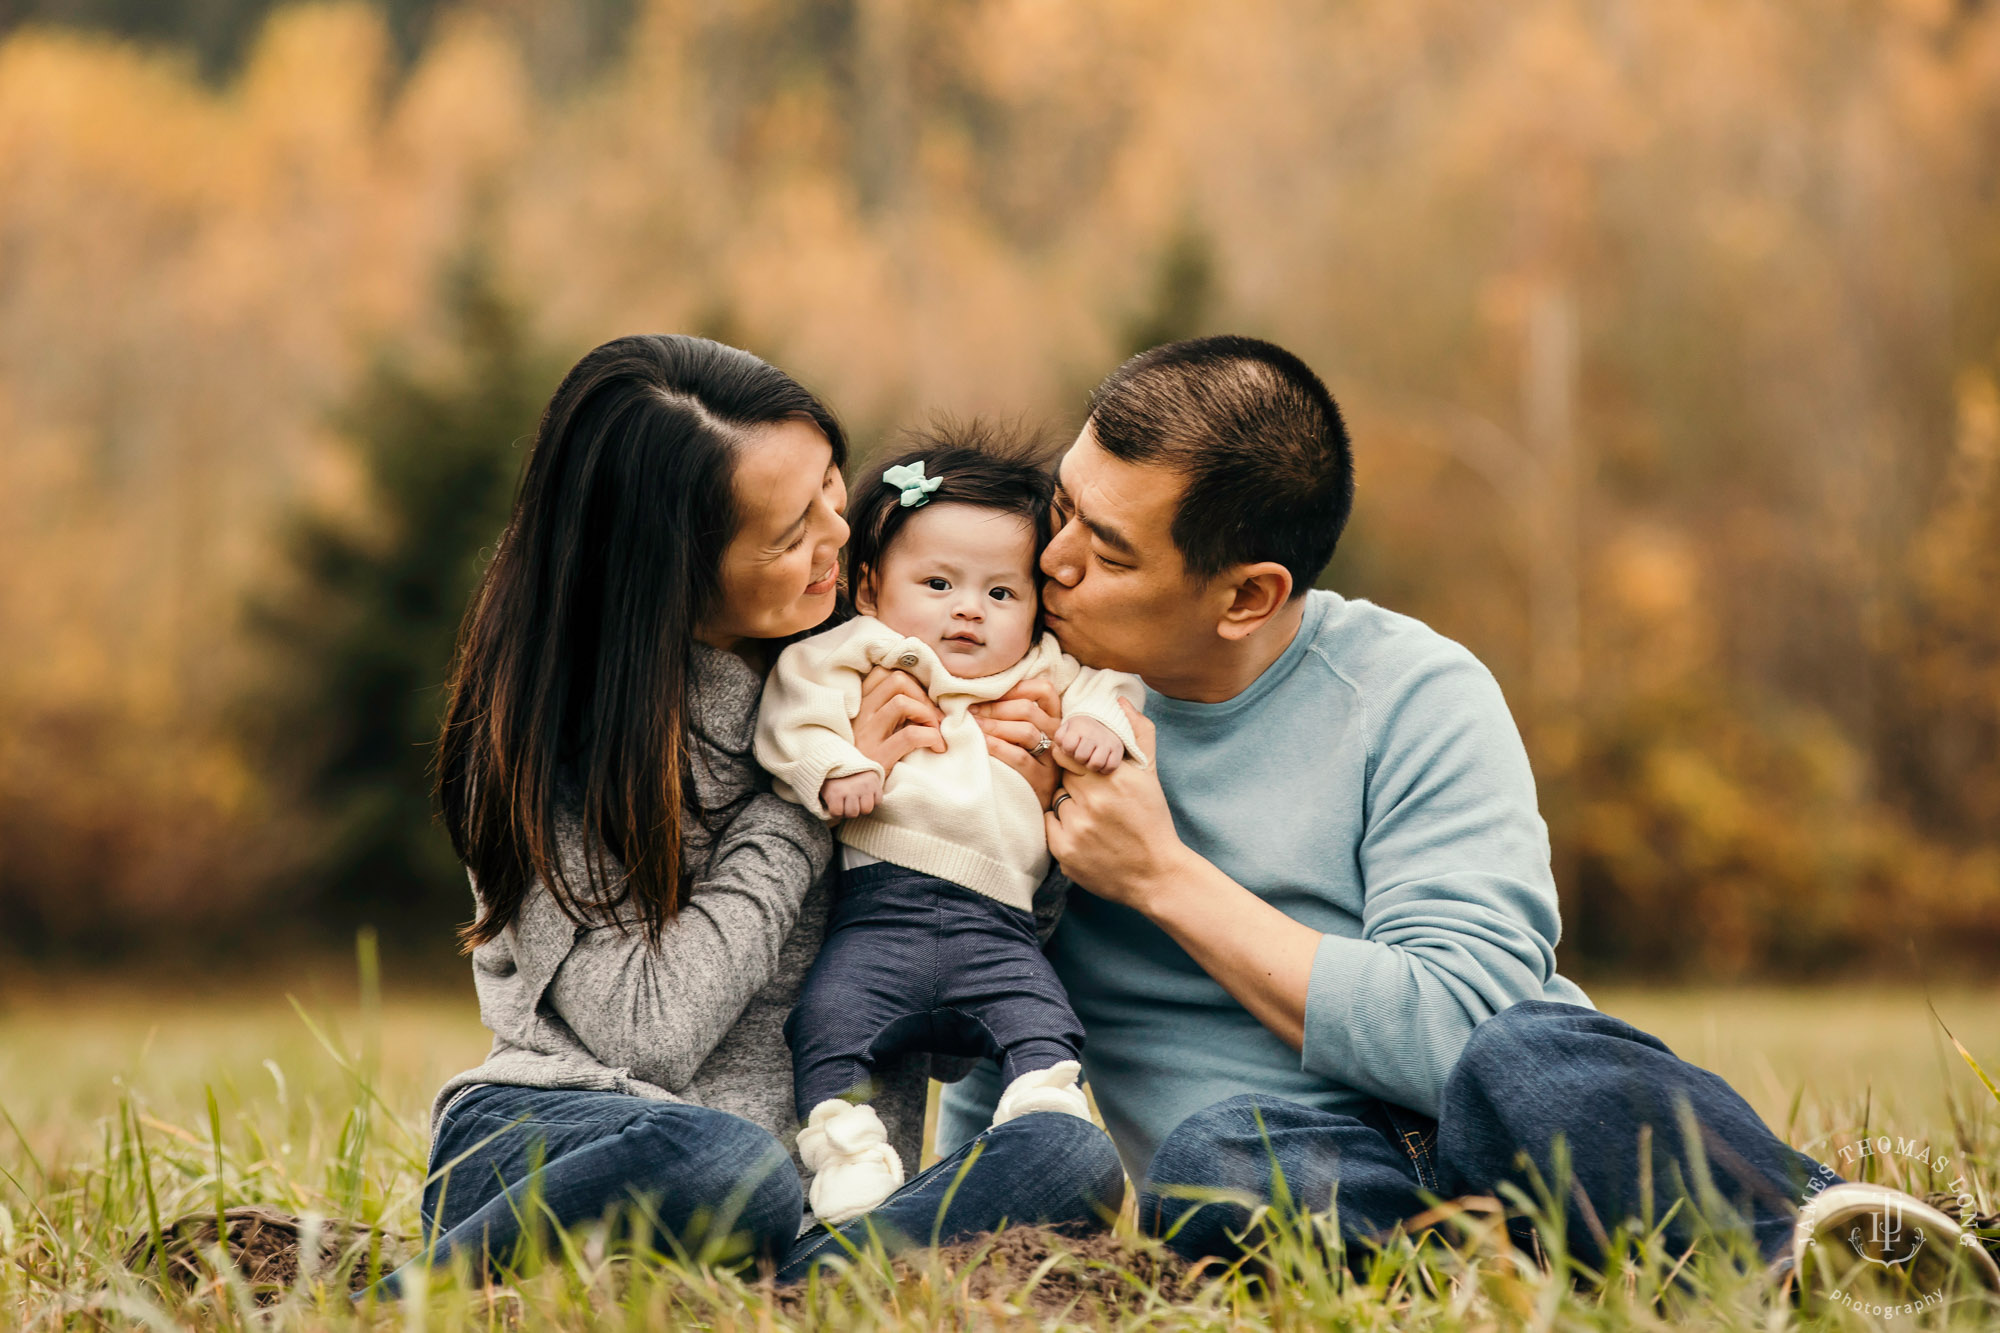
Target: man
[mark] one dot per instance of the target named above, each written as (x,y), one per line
(1320,931)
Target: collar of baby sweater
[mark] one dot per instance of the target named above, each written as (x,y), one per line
(885,647)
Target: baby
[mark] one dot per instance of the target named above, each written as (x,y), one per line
(931,943)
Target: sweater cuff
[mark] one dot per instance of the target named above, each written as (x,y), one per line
(827,759)
(1340,1002)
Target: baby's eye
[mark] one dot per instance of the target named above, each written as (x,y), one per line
(938,585)
(1001,594)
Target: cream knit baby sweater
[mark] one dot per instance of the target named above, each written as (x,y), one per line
(961,815)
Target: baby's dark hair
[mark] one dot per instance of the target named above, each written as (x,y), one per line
(975,462)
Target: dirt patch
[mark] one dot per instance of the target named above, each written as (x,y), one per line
(1032,1269)
(264,1246)
(1042,1272)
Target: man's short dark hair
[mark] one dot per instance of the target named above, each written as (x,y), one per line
(1270,475)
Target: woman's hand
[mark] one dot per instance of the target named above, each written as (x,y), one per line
(896,717)
(1016,725)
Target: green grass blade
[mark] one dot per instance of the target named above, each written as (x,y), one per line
(27,1148)
(154,1231)
(215,1137)
(951,1191)
(1965,1055)
(362,1082)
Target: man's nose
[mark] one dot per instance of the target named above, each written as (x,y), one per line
(1058,564)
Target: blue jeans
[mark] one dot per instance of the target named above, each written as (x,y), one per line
(1530,1075)
(912,962)
(716,1187)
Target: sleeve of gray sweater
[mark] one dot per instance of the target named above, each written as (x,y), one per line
(659,1012)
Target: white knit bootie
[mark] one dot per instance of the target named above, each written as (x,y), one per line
(1051,1089)
(854,1168)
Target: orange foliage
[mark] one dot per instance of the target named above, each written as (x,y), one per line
(1670,330)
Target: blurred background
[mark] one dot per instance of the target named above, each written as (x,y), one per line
(1669,331)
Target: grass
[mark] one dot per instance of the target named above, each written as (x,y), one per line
(126,1110)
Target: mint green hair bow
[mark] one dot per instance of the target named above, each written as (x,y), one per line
(910,479)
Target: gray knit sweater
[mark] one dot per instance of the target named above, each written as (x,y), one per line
(700,1019)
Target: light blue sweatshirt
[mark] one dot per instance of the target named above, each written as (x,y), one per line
(1372,785)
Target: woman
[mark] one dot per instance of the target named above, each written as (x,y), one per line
(646,907)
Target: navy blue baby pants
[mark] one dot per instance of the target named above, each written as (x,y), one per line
(912,962)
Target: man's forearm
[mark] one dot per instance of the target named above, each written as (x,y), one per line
(1117,839)
(1258,954)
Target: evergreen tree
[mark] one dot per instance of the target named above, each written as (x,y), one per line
(1183,300)
(363,643)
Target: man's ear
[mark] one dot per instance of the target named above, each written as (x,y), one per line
(1256,593)
(864,593)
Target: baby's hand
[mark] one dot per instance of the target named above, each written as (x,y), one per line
(1090,743)
(851,797)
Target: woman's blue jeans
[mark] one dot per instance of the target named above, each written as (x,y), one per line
(508,1161)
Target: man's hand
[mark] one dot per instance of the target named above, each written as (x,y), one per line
(1015,724)
(896,717)
(1114,834)
(1090,743)
(851,797)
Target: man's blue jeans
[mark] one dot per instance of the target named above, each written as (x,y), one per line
(508,1160)
(1531,1075)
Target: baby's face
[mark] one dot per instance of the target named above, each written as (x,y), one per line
(961,579)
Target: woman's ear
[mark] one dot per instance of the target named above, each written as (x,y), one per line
(864,593)
(1257,592)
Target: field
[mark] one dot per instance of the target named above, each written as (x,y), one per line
(123,1104)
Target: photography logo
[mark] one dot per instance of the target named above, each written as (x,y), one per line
(1884,1238)
(1886,1229)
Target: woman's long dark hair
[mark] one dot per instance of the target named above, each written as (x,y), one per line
(573,665)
